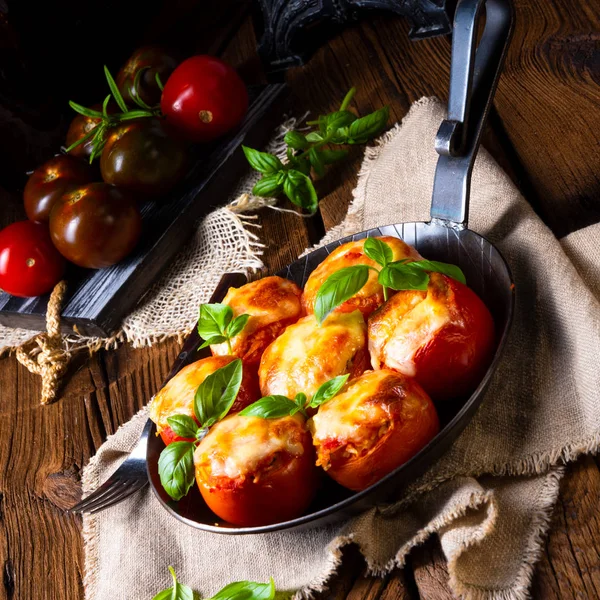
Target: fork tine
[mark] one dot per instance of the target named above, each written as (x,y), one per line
(134,486)
(95,499)
(104,489)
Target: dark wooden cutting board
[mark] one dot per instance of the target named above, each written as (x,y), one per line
(97,300)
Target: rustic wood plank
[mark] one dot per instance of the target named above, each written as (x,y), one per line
(430,571)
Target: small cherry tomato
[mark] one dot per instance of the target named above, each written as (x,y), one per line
(95,225)
(141,156)
(50,181)
(443,337)
(378,423)
(29,264)
(177,396)
(253,471)
(204,98)
(80,126)
(151,60)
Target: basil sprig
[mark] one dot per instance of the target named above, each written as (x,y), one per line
(239,590)
(213,400)
(405,274)
(217,324)
(275,407)
(308,151)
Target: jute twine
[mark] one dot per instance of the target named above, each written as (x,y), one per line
(45,354)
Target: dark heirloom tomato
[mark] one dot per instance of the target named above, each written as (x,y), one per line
(177,396)
(50,181)
(204,98)
(443,337)
(380,421)
(80,127)
(141,156)
(151,60)
(253,471)
(29,264)
(95,225)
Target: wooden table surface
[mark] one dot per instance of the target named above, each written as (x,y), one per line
(545,130)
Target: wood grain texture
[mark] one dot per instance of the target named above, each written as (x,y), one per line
(547,108)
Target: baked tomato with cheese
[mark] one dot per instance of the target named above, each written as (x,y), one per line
(351,254)
(273,303)
(444,337)
(380,421)
(253,471)
(307,354)
(177,396)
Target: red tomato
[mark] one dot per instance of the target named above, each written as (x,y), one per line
(29,263)
(177,396)
(50,181)
(382,420)
(253,471)
(443,337)
(204,98)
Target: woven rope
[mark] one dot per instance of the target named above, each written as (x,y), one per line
(46,355)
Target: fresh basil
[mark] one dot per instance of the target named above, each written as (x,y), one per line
(339,287)
(272,407)
(216,324)
(183,426)
(378,251)
(247,590)
(328,157)
(435,266)
(217,393)
(338,119)
(299,188)
(176,469)
(296,140)
(268,187)
(365,128)
(317,163)
(177,592)
(328,390)
(262,161)
(300,399)
(314,137)
(400,276)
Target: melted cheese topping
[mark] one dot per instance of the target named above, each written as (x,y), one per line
(348,255)
(408,322)
(307,354)
(239,446)
(177,397)
(268,301)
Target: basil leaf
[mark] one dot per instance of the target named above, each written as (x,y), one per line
(217,339)
(115,90)
(270,407)
(246,590)
(176,469)
(378,251)
(183,426)
(214,319)
(296,140)
(216,394)
(300,164)
(164,595)
(366,128)
(440,267)
(237,325)
(402,277)
(299,188)
(328,390)
(315,160)
(340,118)
(177,592)
(262,161)
(300,399)
(328,157)
(339,287)
(314,137)
(268,186)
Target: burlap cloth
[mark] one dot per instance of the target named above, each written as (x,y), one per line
(490,499)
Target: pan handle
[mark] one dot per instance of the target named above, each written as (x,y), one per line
(474,73)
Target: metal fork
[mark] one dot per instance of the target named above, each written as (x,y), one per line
(130,477)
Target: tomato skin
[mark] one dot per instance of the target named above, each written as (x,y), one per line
(79,127)
(95,225)
(142,157)
(153,59)
(410,422)
(272,496)
(50,181)
(30,265)
(204,98)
